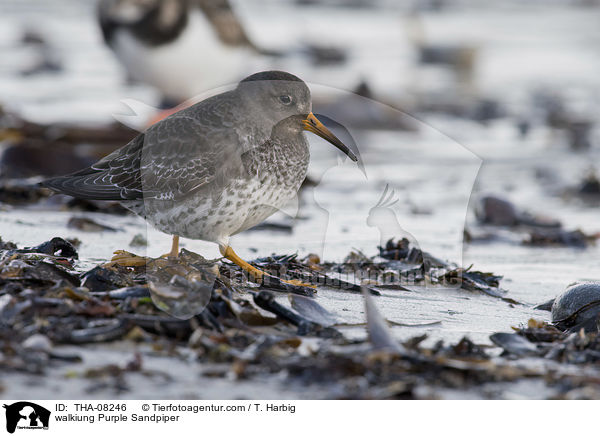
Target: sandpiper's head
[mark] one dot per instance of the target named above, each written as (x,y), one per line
(278,97)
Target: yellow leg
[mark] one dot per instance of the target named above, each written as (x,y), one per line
(174,253)
(255,273)
(124,258)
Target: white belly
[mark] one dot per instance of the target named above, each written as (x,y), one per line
(195,62)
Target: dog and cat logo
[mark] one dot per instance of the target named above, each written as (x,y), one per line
(24,415)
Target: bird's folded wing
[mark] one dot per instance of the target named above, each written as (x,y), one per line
(170,161)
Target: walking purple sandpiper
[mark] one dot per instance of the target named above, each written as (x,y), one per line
(216,168)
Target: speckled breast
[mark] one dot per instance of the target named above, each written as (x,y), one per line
(272,178)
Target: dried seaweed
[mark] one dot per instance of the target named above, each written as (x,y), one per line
(247,331)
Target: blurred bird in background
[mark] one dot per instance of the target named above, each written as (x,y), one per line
(180,47)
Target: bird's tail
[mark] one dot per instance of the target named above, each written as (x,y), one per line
(86,186)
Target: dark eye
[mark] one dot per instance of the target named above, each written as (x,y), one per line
(285,99)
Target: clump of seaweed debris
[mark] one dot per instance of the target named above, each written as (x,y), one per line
(246,332)
(537,230)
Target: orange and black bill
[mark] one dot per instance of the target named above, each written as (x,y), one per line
(312,124)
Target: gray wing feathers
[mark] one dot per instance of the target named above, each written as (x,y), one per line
(170,161)
(112,178)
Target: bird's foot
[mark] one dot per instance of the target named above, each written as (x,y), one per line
(295,282)
(125,258)
(256,274)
